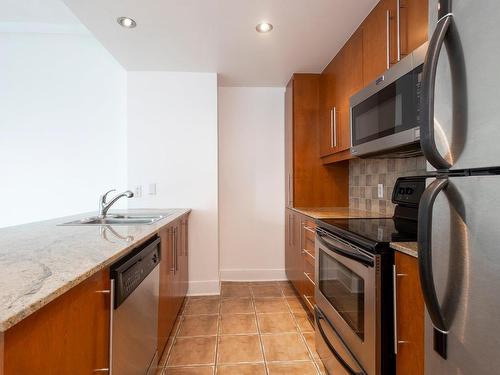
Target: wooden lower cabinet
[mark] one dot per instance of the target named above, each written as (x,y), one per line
(173,277)
(410,317)
(300,255)
(70,335)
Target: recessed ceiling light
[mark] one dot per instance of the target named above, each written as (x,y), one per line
(264,27)
(127,22)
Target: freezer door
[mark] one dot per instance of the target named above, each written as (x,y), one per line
(465,248)
(466,121)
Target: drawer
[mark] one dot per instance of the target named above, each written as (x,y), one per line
(309,244)
(308,286)
(308,264)
(308,257)
(309,301)
(309,228)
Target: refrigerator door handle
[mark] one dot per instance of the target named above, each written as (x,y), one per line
(427,139)
(425,263)
(444,34)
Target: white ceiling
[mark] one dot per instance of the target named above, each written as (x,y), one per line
(219,35)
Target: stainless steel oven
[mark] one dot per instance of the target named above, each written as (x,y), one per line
(385,114)
(347,280)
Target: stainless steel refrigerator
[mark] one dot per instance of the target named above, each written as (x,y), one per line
(459,216)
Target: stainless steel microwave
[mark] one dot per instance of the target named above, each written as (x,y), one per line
(385,114)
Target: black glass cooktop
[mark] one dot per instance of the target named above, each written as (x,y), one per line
(379,231)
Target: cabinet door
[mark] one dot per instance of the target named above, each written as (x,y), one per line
(289,144)
(350,81)
(328,108)
(409,317)
(166,304)
(183,256)
(414,24)
(68,336)
(379,40)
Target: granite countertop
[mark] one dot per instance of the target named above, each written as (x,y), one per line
(337,213)
(410,248)
(41,261)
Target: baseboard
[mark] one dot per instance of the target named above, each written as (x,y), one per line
(204,288)
(253,275)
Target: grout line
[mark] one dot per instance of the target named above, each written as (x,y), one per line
(259,333)
(216,359)
(304,341)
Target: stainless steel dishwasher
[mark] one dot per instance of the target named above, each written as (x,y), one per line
(134,344)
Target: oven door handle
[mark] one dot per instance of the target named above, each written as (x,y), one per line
(341,249)
(347,367)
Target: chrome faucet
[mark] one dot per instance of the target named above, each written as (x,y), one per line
(104,206)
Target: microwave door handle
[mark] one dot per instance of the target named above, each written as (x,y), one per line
(345,365)
(425,262)
(344,250)
(445,33)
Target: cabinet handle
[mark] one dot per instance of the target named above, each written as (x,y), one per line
(333,127)
(398,27)
(306,298)
(289,189)
(172,243)
(388,38)
(309,229)
(304,251)
(309,278)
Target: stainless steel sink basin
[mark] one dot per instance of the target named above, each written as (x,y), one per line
(118,220)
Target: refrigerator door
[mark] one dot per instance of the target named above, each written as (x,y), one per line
(466,114)
(465,255)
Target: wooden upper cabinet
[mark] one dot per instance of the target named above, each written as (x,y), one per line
(68,336)
(289,144)
(379,40)
(409,317)
(340,79)
(384,43)
(414,24)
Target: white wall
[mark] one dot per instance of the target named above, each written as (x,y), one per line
(251,187)
(172,141)
(62,124)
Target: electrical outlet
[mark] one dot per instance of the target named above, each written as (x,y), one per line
(138,191)
(380,191)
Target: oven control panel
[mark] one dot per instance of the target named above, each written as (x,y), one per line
(408,190)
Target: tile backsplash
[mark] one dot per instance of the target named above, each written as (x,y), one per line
(366,174)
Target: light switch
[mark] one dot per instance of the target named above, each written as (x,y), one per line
(152,188)
(380,191)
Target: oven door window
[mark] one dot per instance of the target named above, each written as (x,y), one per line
(391,110)
(345,290)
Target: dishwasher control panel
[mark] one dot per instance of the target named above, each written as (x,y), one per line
(132,269)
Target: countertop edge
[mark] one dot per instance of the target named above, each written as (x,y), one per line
(18,316)
(408,248)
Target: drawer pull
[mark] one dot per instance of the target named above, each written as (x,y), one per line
(309,278)
(306,298)
(304,251)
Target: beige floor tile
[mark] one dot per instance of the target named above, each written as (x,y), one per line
(192,351)
(270,304)
(248,369)
(237,349)
(297,368)
(266,291)
(199,370)
(263,283)
(288,290)
(235,291)
(311,343)
(198,325)
(236,305)
(284,347)
(303,322)
(235,324)
(276,323)
(202,305)
(295,304)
